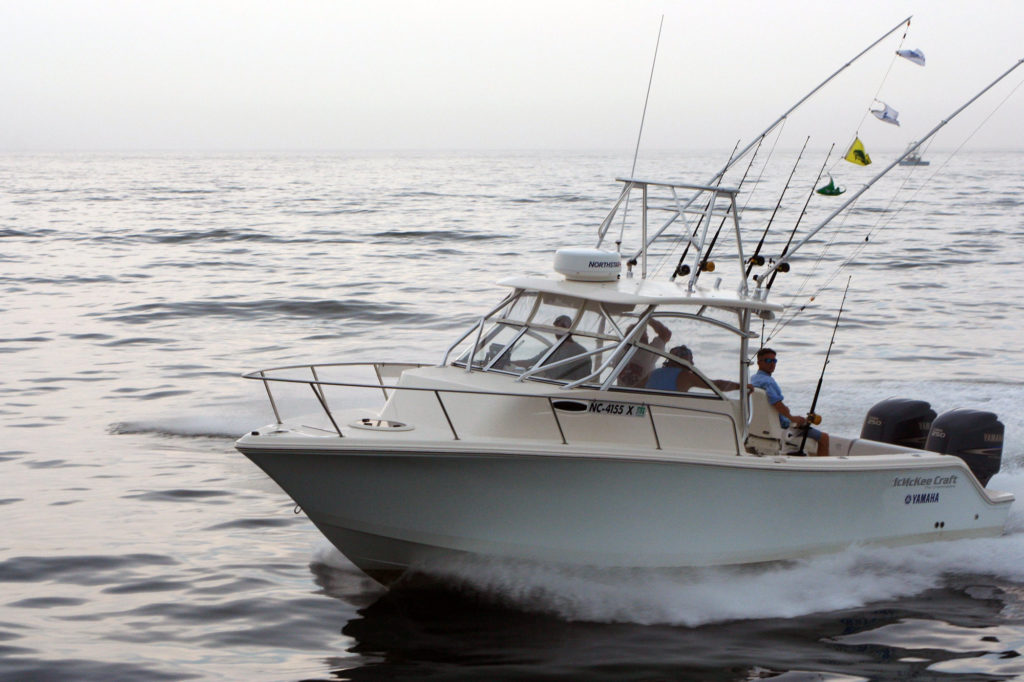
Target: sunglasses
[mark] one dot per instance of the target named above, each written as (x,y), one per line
(770,361)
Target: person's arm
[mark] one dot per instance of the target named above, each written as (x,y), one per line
(784,411)
(663,332)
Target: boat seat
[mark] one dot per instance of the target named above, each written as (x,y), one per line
(766,435)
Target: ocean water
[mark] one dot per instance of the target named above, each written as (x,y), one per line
(137,544)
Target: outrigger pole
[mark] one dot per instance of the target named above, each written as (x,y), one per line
(743,152)
(784,259)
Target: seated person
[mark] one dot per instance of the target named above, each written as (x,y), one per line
(568,348)
(766,362)
(635,374)
(679,376)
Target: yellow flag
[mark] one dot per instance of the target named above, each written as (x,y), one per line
(857,153)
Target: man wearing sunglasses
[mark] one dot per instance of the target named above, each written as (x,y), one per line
(766,363)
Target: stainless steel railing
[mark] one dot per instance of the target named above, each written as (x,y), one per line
(383,369)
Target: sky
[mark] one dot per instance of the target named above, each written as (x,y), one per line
(459,75)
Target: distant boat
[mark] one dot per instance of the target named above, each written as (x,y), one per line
(914,158)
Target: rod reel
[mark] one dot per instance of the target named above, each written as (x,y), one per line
(759,260)
(684,269)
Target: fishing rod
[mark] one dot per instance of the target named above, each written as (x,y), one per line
(704,264)
(776,122)
(784,260)
(813,418)
(757,258)
(681,268)
(810,195)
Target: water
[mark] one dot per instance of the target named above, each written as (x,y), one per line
(137,544)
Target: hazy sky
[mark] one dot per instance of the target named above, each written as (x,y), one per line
(318,75)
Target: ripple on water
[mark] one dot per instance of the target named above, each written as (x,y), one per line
(46,602)
(53,464)
(180,495)
(156,395)
(320,309)
(30,425)
(138,341)
(37,670)
(250,524)
(297,623)
(144,586)
(87,569)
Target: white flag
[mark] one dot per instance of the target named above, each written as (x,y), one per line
(888,114)
(915,56)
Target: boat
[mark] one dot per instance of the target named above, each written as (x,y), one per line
(913,158)
(540,435)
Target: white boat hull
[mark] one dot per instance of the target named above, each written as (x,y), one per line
(389,511)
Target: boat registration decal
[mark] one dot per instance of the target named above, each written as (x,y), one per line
(617,409)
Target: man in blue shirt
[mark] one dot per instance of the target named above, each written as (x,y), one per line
(766,362)
(679,376)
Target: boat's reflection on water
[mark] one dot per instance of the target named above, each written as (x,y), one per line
(425,629)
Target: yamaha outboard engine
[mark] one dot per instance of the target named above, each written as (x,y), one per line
(974,436)
(899,421)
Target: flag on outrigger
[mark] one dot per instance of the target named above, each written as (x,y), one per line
(857,153)
(886,114)
(831,189)
(915,56)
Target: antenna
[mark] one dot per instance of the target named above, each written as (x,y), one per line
(650,80)
(643,118)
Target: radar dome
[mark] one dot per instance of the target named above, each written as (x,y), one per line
(588,265)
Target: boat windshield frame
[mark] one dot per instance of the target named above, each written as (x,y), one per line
(618,338)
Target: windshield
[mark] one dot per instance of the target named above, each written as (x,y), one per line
(543,336)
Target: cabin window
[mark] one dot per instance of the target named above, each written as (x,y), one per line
(554,309)
(547,348)
(606,321)
(521,309)
(709,349)
(494,344)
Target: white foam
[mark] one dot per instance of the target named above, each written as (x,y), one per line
(849,579)
(327,554)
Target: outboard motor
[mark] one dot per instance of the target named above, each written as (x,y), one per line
(899,421)
(974,436)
